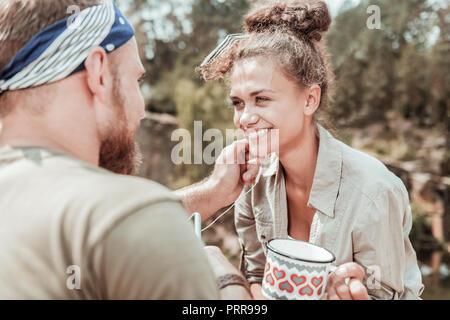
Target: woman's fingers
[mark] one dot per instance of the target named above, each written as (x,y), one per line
(348,270)
(355,290)
(358,290)
(343,291)
(346,282)
(331,294)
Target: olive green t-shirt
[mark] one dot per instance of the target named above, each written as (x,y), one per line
(69,230)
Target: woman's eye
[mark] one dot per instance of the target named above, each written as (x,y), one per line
(237,103)
(262,99)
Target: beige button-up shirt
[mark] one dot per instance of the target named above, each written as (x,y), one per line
(362,215)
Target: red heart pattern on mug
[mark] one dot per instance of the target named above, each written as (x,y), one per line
(279,274)
(298,280)
(306,291)
(274,277)
(286,286)
(269,280)
(317,281)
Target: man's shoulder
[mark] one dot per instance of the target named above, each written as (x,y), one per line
(102,185)
(78,186)
(112,183)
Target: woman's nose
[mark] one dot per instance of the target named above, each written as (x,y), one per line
(249,119)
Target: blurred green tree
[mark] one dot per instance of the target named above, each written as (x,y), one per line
(390,69)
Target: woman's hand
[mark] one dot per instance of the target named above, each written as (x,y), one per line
(338,289)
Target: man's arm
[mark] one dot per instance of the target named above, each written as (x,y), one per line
(222,267)
(224,185)
(202,197)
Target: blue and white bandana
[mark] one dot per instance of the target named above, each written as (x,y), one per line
(60,50)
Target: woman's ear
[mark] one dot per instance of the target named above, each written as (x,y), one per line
(312,99)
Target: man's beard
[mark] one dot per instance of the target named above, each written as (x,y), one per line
(119,152)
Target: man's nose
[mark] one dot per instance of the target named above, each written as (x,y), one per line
(248,119)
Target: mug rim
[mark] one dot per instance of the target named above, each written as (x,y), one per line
(299,259)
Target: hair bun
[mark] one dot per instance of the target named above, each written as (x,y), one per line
(306,19)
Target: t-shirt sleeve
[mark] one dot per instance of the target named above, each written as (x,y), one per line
(154,254)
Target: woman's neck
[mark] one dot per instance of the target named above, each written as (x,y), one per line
(300,158)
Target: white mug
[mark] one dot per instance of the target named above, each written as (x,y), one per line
(296,270)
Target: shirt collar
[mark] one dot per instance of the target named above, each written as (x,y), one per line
(271,166)
(327,176)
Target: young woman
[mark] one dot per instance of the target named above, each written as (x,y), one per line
(316,189)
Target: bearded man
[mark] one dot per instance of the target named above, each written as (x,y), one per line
(74,223)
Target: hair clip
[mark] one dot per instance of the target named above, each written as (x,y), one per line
(230,39)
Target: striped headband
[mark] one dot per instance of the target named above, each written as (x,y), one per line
(229,40)
(60,50)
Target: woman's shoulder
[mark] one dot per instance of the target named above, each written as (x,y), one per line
(368,174)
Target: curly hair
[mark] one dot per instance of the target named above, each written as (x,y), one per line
(290,32)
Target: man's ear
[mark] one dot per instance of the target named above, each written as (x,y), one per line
(97,73)
(312,99)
